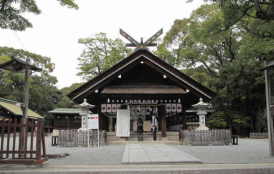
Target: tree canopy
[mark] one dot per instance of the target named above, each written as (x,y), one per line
(100,53)
(44,95)
(11,12)
(36,59)
(224,59)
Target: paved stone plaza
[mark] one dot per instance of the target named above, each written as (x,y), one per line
(248,151)
(250,156)
(155,153)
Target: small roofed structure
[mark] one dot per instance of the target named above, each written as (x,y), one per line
(16,65)
(65,118)
(12,109)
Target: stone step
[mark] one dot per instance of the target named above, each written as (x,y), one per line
(172,137)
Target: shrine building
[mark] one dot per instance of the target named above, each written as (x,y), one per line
(145,85)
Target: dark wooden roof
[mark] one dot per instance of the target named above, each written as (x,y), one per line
(143,89)
(15,64)
(155,62)
(66,111)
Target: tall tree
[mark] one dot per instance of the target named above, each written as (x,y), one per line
(11,12)
(100,53)
(233,70)
(41,61)
(44,95)
(65,101)
(42,85)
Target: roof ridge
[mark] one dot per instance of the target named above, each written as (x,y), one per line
(9,101)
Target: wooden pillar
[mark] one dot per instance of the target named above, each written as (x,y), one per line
(110,124)
(100,117)
(162,116)
(24,107)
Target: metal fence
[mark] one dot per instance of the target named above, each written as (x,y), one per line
(258,135)
(207,137)
(74,138)
(11,139)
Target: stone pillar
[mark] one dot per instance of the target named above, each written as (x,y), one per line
(202,125)
(268,94)
(162,116)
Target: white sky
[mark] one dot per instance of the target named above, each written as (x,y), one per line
(56,30)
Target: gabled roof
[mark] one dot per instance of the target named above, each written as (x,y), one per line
(15,64)
(15,109)
(156,62)
(66,111)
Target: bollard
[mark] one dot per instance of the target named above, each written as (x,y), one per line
(235,139)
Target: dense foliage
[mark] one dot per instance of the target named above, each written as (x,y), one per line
(227,59)
(100,53)
(44,95)
(11,12)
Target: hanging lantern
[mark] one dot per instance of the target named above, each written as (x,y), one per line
(103,108)
(113,108)
(179,108)
(108,108)
(168,108)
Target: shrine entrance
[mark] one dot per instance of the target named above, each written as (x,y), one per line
(144,113)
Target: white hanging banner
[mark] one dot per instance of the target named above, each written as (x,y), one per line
(93,121)
(123,123)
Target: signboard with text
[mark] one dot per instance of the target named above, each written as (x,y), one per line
(93,121)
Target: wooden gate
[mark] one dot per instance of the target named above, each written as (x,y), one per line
(11,142)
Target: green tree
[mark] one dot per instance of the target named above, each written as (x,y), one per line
(11,12)
(100,53)
(225,60)
(65,101)
(36,59)
(43,93)
(67,90)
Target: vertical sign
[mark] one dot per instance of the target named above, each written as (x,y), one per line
(93,121)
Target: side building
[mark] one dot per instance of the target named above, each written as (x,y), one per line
(10,109)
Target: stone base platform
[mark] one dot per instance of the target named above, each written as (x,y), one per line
(155,154)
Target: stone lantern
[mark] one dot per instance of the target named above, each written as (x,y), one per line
(85,107)
(201,108)
(269,88)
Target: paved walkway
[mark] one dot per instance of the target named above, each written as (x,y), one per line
(155,153)
(248,151)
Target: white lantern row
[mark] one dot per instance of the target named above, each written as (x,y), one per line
(170,108)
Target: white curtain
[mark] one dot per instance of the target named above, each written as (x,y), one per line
(123,123)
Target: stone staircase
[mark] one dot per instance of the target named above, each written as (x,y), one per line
(172,137)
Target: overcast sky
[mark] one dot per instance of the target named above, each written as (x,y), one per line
(57,29)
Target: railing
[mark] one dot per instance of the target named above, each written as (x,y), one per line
(258,135)
(11,150)
(207,137)
(74,138)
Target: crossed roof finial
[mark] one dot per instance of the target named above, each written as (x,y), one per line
(148,43)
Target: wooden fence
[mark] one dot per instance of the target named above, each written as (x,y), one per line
(207,137)
(258,135)
(11,150)
(74,137)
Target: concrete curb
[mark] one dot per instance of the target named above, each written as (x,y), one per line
(267,168)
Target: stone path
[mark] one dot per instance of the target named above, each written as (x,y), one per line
(155,153)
